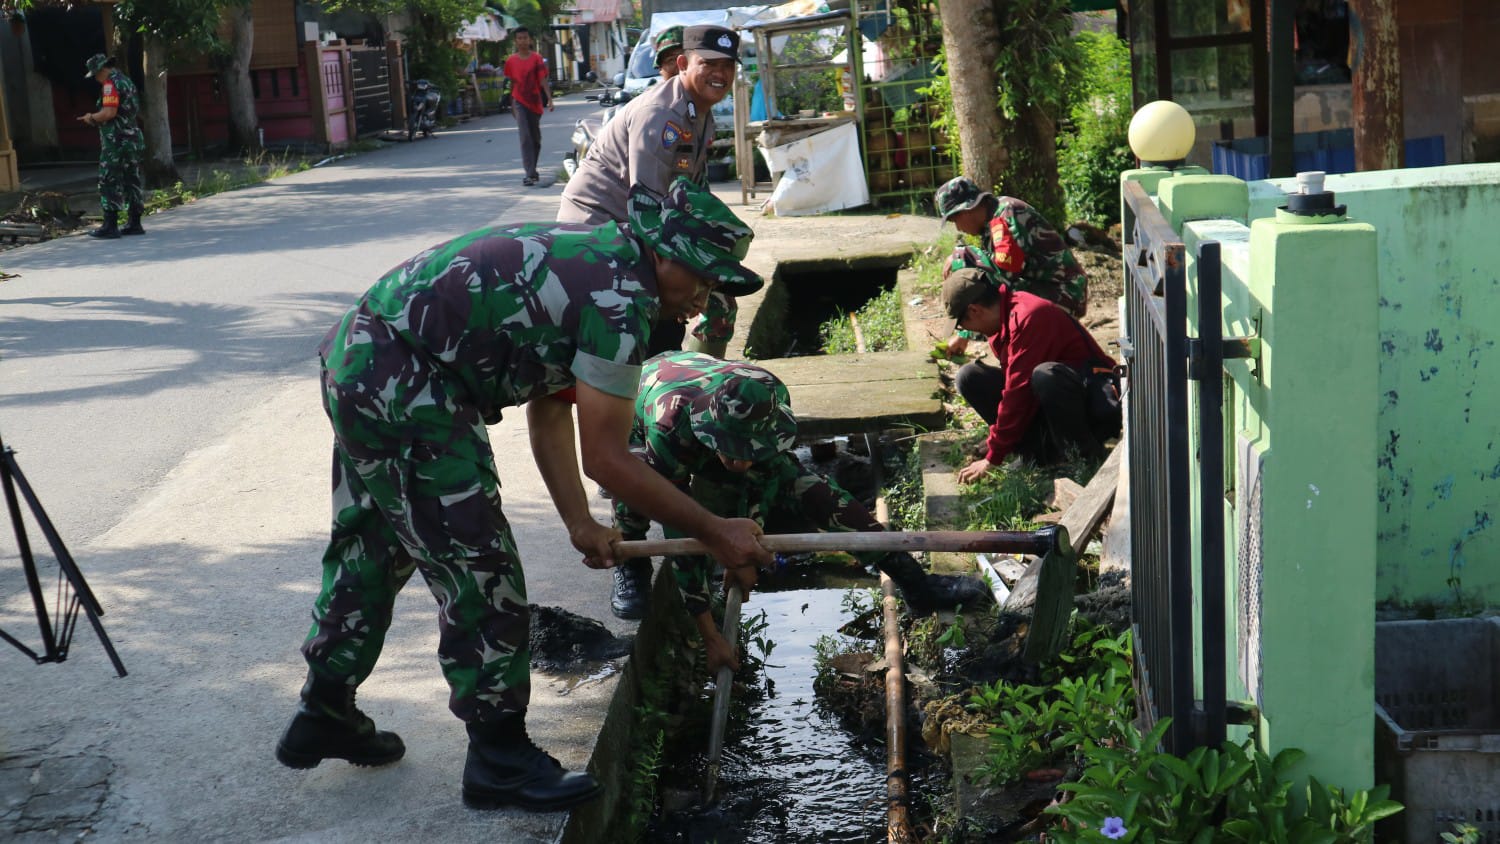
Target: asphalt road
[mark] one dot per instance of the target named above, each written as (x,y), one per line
(161,394)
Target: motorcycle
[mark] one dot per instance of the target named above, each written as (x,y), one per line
(586,129)
(422,109)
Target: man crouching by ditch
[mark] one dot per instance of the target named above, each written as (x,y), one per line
(412,375)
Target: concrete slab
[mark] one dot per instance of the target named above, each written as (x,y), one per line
(841,394)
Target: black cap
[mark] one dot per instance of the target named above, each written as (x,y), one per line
(963,288)
(712,42)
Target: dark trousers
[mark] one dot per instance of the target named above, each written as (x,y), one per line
(1062,421)
(529,128)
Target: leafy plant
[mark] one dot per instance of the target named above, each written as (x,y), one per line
(1462,833)
(1092,155)
(880,322)
(1235,793)
(1042,726)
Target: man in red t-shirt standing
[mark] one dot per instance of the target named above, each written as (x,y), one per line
(530,92)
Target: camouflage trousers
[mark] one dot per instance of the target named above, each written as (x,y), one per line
(807,503)
(416,490)
(120,184)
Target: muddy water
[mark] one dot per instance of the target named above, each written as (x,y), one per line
(789,773)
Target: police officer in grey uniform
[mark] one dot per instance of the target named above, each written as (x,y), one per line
(660,135)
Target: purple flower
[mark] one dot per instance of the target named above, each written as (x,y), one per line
(1114,828)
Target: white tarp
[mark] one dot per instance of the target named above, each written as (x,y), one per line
(486,27)
(819,173)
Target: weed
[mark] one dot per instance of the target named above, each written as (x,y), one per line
(881,325)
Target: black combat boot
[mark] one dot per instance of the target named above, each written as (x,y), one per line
(133,223)
(329,726)
(631,595)
(505,768)
(927,593)
(111,228)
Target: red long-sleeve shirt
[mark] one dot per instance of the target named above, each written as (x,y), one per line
(1033,331)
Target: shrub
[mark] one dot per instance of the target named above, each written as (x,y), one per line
(1091,156)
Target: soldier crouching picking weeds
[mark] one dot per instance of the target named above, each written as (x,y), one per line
(725,430)
(412,375)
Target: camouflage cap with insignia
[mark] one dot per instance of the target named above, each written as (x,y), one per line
(744,419)
(958,194)
(97,62)
(665,40)
(696,229)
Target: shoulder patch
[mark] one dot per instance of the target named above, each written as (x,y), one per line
(670,134)
(1009,255)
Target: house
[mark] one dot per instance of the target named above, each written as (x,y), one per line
(1207,55)
(591,36)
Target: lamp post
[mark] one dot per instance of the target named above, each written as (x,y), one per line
(1161,134)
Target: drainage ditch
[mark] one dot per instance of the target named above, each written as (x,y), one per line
(794,768)
(803,295)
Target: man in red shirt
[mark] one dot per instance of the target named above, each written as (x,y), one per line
(530,92)
(1039,401)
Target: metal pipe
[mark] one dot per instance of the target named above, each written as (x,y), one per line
(897,780)
(1037,543)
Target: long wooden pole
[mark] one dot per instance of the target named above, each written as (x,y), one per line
(722,685)
(1037,543)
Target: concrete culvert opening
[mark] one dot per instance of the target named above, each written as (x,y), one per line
(803,295)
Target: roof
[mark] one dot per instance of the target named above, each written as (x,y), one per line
(596,11)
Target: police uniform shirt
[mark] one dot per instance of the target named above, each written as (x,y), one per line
(655,138)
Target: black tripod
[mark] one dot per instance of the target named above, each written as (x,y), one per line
(73,591)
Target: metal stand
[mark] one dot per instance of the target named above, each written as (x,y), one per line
(73,591)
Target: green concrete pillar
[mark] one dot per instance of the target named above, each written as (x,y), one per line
(1151,178)
(1316,279)
(1185,198)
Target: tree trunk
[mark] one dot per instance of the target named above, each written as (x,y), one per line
(244,124)
(970,39)
(1033,141)
(160,171)
(1379,133)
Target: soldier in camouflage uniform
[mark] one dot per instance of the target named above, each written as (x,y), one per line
(663,133)
(1026,253)
(725,430)
(412,375)
(668,46)
(121,147)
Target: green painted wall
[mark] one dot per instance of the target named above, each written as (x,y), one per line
(1438,464)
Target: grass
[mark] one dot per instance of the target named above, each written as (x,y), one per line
(880,321)
(252,171)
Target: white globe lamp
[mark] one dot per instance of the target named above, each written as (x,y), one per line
(1162,133)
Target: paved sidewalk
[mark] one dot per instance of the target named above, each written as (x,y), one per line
(161,394)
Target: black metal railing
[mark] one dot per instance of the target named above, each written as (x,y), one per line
(1162,360)
(1161,577)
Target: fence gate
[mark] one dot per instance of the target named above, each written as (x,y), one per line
(372,90)
(1162,359)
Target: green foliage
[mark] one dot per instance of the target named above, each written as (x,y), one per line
(1037,57)
(880,322)
(1462,833)
(928,261)
(1091,156)
(1004,499)
(1235,793)
(431,25)
(185,27)
(904,496)
(939,92)
(753,632)
(1042,726)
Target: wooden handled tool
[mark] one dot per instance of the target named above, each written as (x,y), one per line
(1037,543)
(722,684)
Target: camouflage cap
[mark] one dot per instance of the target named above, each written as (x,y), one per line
(97,62)
(970,258)
(958,194)
(666,40)
(743,418)
(696,229)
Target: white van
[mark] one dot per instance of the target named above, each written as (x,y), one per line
(640,70)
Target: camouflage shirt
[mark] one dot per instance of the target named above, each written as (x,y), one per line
(124,131)
(672,436)
(506,315)
(1030,255)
